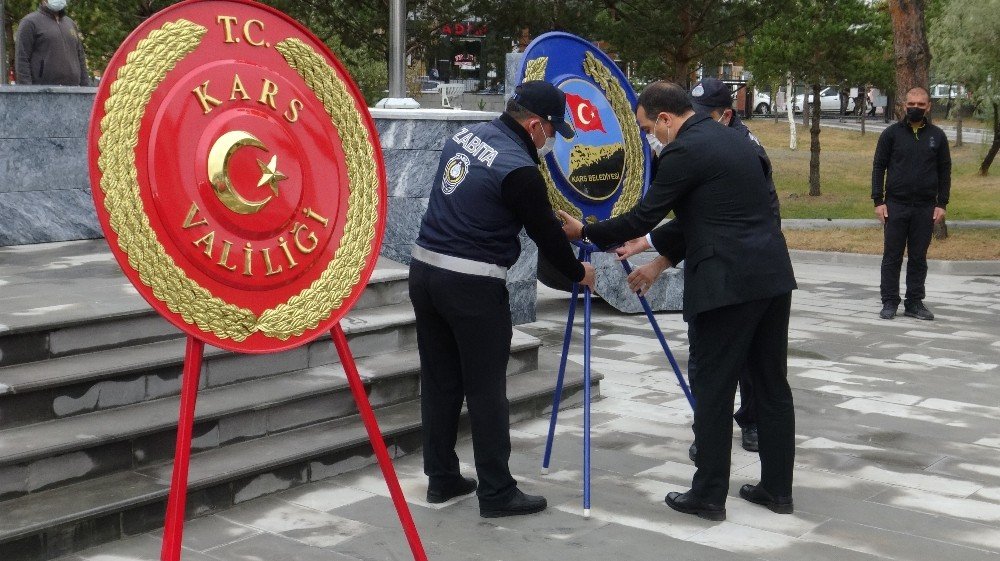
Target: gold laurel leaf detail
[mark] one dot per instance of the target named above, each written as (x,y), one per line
(145,68)
(535,70)
(316,303)
(632,184)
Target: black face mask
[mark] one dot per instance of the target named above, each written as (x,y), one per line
(914,114)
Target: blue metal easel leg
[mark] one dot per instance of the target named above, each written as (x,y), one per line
(663,340)
(586,397)
(557,394)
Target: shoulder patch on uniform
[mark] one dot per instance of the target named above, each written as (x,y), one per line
(753,138)
(455,172)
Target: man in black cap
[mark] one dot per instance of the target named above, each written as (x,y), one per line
(713,98)
(737,291)
(489,187)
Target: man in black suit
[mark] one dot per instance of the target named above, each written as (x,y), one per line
(737,291)
(714,98)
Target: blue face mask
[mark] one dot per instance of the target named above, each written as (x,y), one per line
(56,5)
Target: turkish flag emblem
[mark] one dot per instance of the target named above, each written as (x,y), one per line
(585,115)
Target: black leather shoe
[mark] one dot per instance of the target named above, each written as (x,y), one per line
(692,451)
(684,502)
(917,310)
(518,504)
(751,443)
(758,495)
(441,493)
(888,311)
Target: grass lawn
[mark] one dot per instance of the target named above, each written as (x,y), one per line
(961,244)
(845,175)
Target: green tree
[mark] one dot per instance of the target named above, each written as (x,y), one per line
(820,42)
(671,38)
(967,51)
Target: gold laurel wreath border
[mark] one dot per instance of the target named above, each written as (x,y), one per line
(145,68)
(632,185)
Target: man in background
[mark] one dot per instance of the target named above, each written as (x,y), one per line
(911,182)
(49,48)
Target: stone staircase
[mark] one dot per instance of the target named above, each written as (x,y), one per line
(89,383)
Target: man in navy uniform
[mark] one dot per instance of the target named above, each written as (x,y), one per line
(737,291)
(489,187)
(911,183)
(713,98)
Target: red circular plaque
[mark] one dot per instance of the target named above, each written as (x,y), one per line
(237,175)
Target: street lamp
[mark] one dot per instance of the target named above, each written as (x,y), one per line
(397,60)
(3,45)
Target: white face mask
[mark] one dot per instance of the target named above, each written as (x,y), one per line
(654,143)
(550,143)
(57,5)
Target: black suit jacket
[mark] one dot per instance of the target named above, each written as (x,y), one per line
(712,179)
(666,239)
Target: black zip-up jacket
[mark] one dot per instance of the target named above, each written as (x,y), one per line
(49,50)
(910,167)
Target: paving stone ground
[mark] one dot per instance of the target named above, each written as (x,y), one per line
(898,453)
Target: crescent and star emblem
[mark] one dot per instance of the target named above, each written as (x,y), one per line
(581,114)
(218,172)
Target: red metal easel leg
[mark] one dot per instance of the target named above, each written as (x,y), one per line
(173,530)
(375,437)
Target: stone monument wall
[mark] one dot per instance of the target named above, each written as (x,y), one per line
(45,189)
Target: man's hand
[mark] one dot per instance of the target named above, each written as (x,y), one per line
(572,227)
(938,214)
(882,213)
(632,247)
(589,276)
(642,278)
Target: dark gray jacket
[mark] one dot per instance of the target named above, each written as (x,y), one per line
(49,50)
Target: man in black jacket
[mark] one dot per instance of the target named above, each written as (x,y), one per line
(714,98)
(911,182)
(49,48)
(488,187)
(737,291)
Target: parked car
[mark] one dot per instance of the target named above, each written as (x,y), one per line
(947,91)
(761,103)
(829,101)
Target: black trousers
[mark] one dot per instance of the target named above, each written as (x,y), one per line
(463,335)
(752,335)
(908,227)
(746,415)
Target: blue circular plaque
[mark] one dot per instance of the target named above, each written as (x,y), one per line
(604,169)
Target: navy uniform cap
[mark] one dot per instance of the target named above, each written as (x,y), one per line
(546,101)
(711,94)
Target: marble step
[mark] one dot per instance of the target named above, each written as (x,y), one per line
(45,455)
(71,518)
(71,385)
(72,298)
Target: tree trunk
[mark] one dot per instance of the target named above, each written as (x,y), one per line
(863,107)
(913,56)
(789,106)
(774,101)
(814,190)
(985,168)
